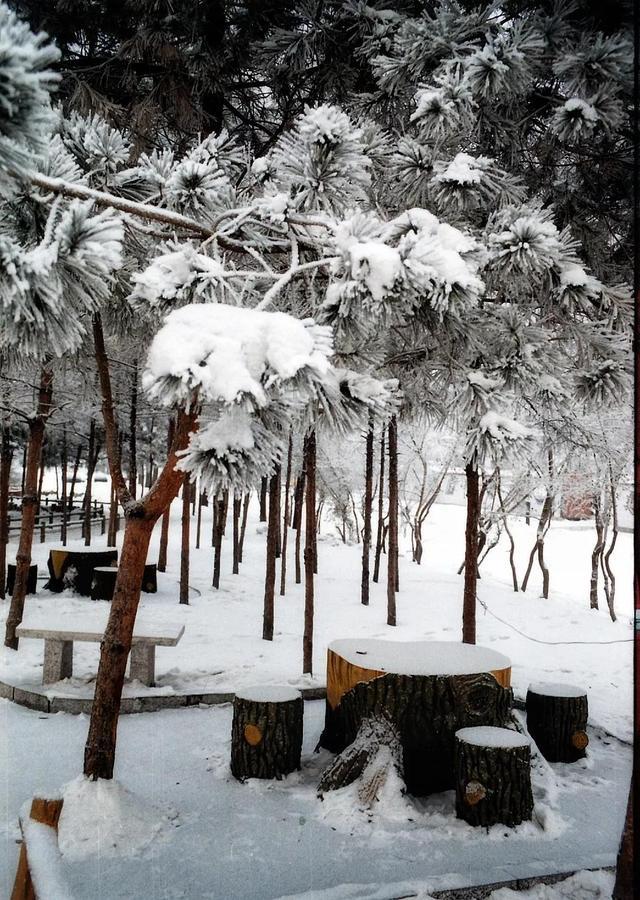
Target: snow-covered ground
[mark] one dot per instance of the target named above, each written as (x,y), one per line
(219,839)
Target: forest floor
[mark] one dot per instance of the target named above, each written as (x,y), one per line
(176,824)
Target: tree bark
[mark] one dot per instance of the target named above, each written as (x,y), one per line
(380,533)
(596,553)
(558,725)
(221,504)
(606,558)
(512,544)
(133,428)
(538,548)
(264,485)
(310,534)
(6,456)
(243,527)
(270,575)
(166,515)
(237,504)
(277,509)
(285,520)
(86,528)
(266,737)
(392,560)
(471,555)
(199,519)
(623,888)
(368,502)
(29,504)
(299,503)
(64,465)
(184,547)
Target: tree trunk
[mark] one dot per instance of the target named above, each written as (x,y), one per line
(471,555)
(369,757)
(243,527)
(113,515)
(86,527)
(272,539)
(74,474)
(277,510)
(29,503)
(368,502)
(380,534)
(184,547)
(558,723)
(133,427)
(237,504)
(266,735)
(6,455)
(298,507)
(309,537)
(199,519)
(596,554)
(606,558)
(221,504)
(623,888)
(166,515)
(264,484)
(64,465)
(285,518)
(40,479)
(392,561)
(538,548)
(512,544)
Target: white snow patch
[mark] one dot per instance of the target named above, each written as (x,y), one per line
(553,689)
(581,886)
(44,861)
(420,657)
(377,264)
(502,428)
(490,736)
(268,693)
(586,110)
(573,275)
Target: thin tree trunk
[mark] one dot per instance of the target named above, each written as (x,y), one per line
(113,512)
(285,520)
(264,484)
(596,554)
(297,516)
(220,527)
(512,543)
(6,455)
(133,428)
(74,474)
(199,520)
(166,515)
(471,555)
(86,527)
(310,534)
(184,546)
(538,548)
(277,512)
(368,503)
(41,478)
(380,533)
(24,469)
(237,504)
(392,562)
(64,464)
(272,546)
(29,504)
(243,527)
(611,596)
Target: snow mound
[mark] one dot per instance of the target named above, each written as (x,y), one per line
(490,736)
(103,818)
(268,693)
(549,689)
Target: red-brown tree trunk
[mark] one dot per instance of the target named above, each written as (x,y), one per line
(285,518)
(380,532)
(368,503)
(271,551)
(471,554)
(133,428)
(6,455)
(277,512)
(199,519)
(309,552)
(392,560)
(184,547)
(166,515)
(86,527)
(29,505)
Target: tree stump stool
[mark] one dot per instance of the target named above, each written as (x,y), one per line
(557,720)
(32,579)
(493,776)
(266,734)
(426,689)
(104,581)
(74,568)
(150,579)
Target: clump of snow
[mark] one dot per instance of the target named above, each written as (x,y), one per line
(502,428)
(268,693)
(586,110)
(171,275)
(377,265)
(230,432)
(478,378)
(550,689)
(442,256)
(44,861)
(260,166)
(102,818)
(573,275)
(429,102)
(463,170)
(491,736)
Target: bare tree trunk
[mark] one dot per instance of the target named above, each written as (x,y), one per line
(29,504)
(297,515)
(74,474)
(512,543)
(166,515)
(184,547)
(64,465)
(285,520)
(272,543)
(40,478)
(611,594)
(6,455)
(263,499)
(199,520)
(86,527)
(133,427)
(221,505)
(243,527)
(471,555)
(277,512)
(596,554)
(24,469)
(368,503)
(538,548)
(380,534)
(392,562)
(310,534)
(237,503)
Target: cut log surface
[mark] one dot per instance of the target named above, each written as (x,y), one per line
(557,720)
(266,734)
(428,690)
(493,776)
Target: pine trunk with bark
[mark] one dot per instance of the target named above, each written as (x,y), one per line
(86,527)
(380,532)
(264,488)
(64,462)
(298,508)
(184,546)
(606,557)
(220,520)
(243,527)
(392,560)
(285,518)
(6,456)
(309,552)
(271,551)
(368,503)
(29,504)
(237,504)
(596,554)
(471,555)
(166,515)
(133,428)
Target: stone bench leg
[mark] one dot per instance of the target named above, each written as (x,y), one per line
(58,661)
(143,664)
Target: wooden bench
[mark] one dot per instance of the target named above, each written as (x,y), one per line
(59,640)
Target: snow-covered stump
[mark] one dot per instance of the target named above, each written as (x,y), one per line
(557,720)
(104,581)
(427,689)
(493,776)
(266,734)
(37,874)
(32,579)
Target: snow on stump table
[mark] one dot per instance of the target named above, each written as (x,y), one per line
(103,581)
(32,578)
(557,720)
(266,734)
(493,776)
(59,641)
(74,568)
(426,689)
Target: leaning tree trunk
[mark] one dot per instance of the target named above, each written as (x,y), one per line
(285,518)
(392,559)
(309,537)
(471,555)
(29,504)
(6,455)
(596,554)
(164,528)
(380,532)
(368,502)
(184,547)
(272,542)
(606,558)
(512,543)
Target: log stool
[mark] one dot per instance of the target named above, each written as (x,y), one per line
(266,735)
(32,579)
(557,720)
(493,776)
(150,579)
(104,581)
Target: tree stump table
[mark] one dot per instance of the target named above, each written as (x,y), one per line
(32,579)
(266,734)
(74,568)
(557,720)
(426,689)
(104,581)
(493,776)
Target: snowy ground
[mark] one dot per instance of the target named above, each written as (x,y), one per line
(225,840)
